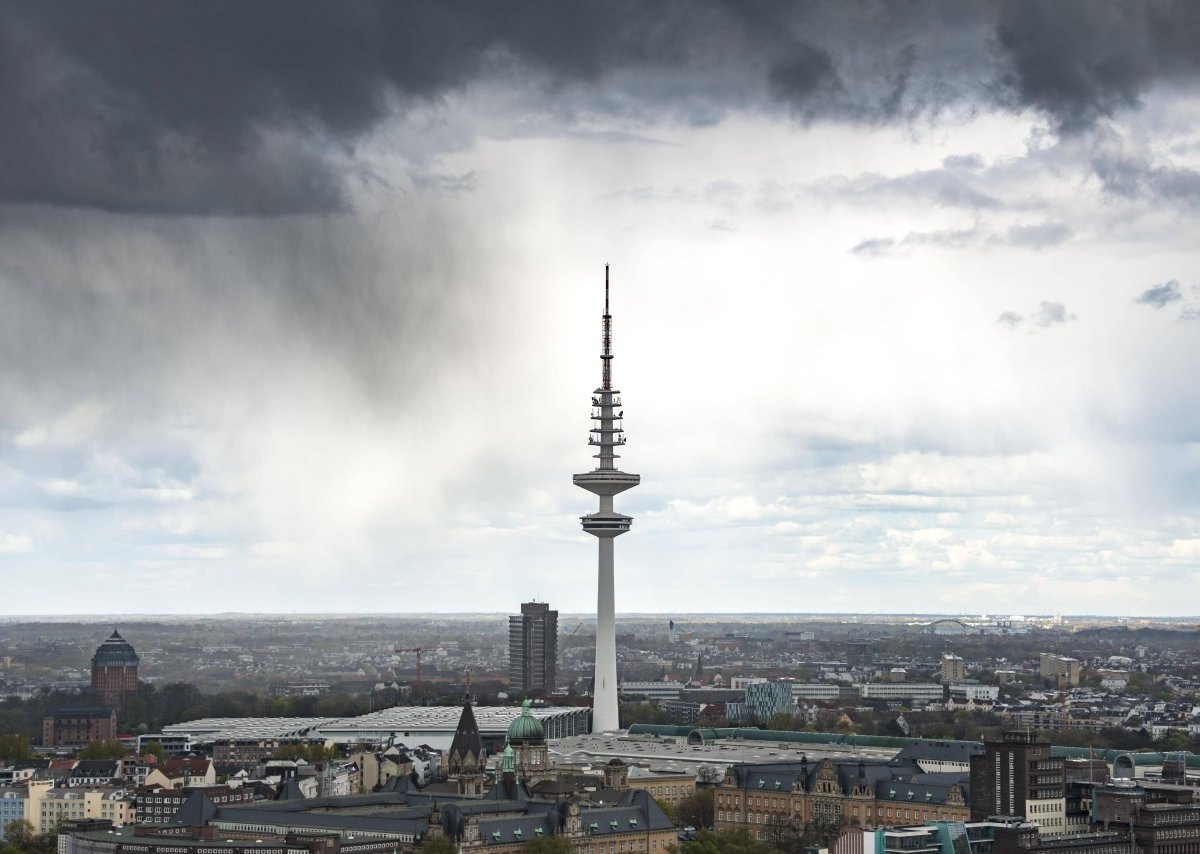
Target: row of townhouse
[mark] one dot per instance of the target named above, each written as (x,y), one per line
(45,806)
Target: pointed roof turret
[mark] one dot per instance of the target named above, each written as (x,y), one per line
(467,745)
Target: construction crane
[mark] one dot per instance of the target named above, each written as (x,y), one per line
(418,650)
(570,637)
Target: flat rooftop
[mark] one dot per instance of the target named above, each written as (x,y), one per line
(654,754)
(411,722)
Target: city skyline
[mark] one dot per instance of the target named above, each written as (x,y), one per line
(907,306)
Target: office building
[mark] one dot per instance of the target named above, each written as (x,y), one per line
(912,693)
(952,668)
(763,700)
(114,672)
(833,793)
(77,727)
(1061,669)
(1016,777)
(606,525)
(533,649)
(657,690)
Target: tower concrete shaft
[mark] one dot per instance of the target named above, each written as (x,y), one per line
(605,481)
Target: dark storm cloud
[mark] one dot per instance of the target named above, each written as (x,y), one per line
(1160,296)
(165,106)
(1079,60)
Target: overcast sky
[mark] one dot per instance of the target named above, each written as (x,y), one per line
(299,304)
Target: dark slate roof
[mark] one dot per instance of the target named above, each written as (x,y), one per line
(115,652)
(408,821)
(917,793)
(516,792)
(606,797)
(466,737)
(412,812)
(782,776)
(945,778)
(942,751)
(95,768)
(519,828)
(196,811)
(289,790)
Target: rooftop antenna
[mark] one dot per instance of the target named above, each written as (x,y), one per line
(606,356)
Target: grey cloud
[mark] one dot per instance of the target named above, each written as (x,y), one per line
(953,238)
(1159,296)
(254,108)
(1039,236)
(969,162)
(874,246)
(937,186)
(945,239)
(448,185)
(1051,314)
(1078,60)
(798,78)
(1136,178)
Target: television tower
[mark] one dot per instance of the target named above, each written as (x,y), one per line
(606,481)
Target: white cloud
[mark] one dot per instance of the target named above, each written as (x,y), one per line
(849,434)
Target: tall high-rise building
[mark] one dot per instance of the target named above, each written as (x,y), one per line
(606,525)
(1063,669)
(952,668)
(533,649)
(1016,777)
(114,671)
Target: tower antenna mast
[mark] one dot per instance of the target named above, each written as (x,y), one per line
(605,481)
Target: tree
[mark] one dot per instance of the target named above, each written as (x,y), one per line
(548,845)
(785,833)
(18,832)
(14,746)
(103,750)
(784,722)
(307,752)
(20,838)
(155,749)
(726,842)
(697,809)
(668,809)
(642,713)
(437,845)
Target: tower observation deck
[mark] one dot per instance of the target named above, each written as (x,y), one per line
(605,481)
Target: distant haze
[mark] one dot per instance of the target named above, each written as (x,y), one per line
(299,305)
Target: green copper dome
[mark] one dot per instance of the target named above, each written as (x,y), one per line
(526,729)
